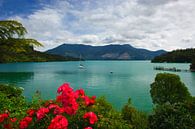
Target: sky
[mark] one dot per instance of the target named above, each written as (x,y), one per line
(149,24)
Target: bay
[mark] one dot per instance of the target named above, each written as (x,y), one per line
(116,80)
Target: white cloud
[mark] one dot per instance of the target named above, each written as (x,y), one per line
(151,24)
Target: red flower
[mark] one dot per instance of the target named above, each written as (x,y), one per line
(24,122)
(79,93)
(48,102)
(65,87)
(68,99)
(31,112)
(59,98)
(58,122)
(41,113)
(57,109)
(27,119)
(89,101)
(3,116)
(13,119)
(92,117)
(51,106)
(88,128)
(7,126)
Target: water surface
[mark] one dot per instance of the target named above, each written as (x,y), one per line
(128,79)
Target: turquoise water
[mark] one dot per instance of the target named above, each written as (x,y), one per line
(129,79)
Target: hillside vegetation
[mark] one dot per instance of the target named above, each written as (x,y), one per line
(31,56)
(15,48)
(176,56)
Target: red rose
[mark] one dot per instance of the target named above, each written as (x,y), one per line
(3,116)
(58,122)
(41,113)
(31,112)
(91,116)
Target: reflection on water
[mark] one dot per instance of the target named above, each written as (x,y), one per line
(15,77)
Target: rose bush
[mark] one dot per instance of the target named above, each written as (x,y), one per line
(70,110)
(55,114)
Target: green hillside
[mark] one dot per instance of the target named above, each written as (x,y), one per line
(33,56)
(176,56)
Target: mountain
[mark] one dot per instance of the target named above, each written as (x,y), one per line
(108,52)
(177,56)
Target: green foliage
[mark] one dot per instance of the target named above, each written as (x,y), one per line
(10,91)
(168,88)
(175,108)
(178,56)
(15,104)
(31,56)
(109,118)
(11,100)
(18,45)
(137,119)
(12,37)
(190,105)
(10,28)
(171,116)
(192,66)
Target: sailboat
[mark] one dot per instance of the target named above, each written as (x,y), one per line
(81,66)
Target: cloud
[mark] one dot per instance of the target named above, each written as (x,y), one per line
(151,24)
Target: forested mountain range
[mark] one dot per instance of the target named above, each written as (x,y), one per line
(107,52)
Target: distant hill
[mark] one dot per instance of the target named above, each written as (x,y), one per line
(177,56)
(31,56)
(108,52)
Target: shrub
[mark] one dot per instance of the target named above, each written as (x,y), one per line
(168,88)
(137,119)
(10,91)
(11,100)
(71,109)
(171,116)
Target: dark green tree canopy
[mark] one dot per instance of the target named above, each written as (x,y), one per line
(192,66)
(167,88)
(171,116)
(12,37)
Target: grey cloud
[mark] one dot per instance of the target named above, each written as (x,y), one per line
(143,23)
(154,2)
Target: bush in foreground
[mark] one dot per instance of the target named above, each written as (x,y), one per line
(168,88)
(71,109)
(174,104)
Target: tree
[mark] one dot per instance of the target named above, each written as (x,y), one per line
(168,88)
(12,37)
(192,66)
(171,116)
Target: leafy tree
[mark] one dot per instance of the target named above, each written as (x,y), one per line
(175,106)
(12,37)
(168,88)
(171,116)
(192,66)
